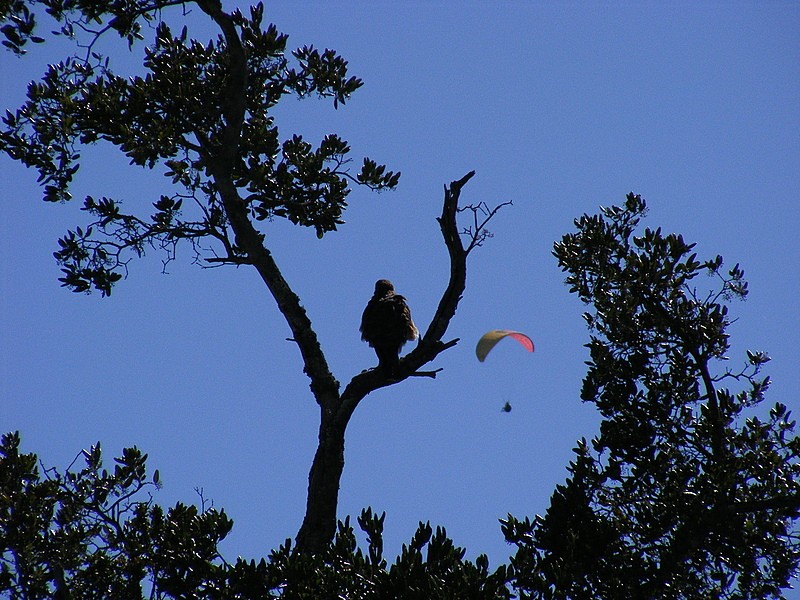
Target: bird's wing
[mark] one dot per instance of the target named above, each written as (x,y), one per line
(369,320)
(403,318)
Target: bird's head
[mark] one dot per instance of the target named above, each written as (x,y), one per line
(383,287)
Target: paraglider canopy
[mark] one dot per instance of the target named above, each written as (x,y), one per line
(490,338)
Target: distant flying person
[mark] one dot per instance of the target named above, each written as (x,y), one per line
(386,325)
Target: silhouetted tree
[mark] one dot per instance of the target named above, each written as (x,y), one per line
(94,533)
(686,492)
(203,113)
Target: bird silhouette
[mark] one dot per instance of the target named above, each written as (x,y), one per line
(386,325)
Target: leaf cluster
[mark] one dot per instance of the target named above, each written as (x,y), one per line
(20,26)
(91,533)
(429,566)
(196,112)
(681,494)
(95,533)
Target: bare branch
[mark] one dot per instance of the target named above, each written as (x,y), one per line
(477,232)
(227,260)
(430,346)
(431,374)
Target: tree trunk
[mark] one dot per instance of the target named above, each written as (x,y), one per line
(319,524)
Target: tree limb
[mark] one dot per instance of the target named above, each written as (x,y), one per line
(789,503)
(221,165)
(430,346)
(458,268)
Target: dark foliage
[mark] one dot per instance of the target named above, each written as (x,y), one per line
(691,489)
(93,533)
(687,491)
(202,112)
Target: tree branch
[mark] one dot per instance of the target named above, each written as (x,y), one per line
(717,426)
(789,503)
(221,165)
(236,92)
(478,233)
(431,345)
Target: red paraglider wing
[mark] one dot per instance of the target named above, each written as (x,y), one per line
(490,338)
(522,339)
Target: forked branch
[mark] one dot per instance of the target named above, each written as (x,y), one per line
(481,215)
(431,344)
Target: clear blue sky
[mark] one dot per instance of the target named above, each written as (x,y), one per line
(559,108)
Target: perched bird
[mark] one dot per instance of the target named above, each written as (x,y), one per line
(386,325)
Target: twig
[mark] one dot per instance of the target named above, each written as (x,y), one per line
(431,374)
(478,233)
